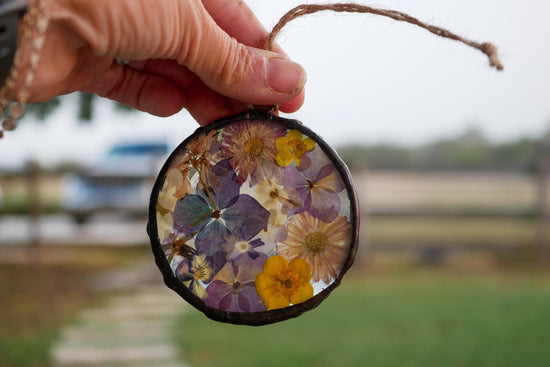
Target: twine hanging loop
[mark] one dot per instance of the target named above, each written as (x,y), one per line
(487,48)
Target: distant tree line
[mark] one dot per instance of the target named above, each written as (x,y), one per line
(86,101)
(470,150)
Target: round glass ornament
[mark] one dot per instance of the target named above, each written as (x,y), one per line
(253,219)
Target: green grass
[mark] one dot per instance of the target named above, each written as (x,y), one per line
(35,301)
(26,351)
(480,231)
(410,319)
(38,297)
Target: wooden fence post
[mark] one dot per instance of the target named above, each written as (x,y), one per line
(35,204)
(364,250)
(543,210)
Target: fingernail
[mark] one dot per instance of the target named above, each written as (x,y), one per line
(285,76)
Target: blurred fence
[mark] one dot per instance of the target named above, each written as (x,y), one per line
(431,213)
(436,212)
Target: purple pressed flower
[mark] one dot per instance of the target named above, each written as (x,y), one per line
(240,251)
(216,212)
(318,183)
(199,270)
(233,289)
(194,273)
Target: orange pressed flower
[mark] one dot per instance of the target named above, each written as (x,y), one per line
(291,148)
(323,245)
(203,151)
(283,283)
(176,186)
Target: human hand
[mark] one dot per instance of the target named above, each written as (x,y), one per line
(204,56)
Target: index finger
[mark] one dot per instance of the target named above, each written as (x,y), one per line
(238,20)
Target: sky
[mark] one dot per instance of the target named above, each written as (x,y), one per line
(370,80)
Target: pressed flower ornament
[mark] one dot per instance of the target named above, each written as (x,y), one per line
(254,219)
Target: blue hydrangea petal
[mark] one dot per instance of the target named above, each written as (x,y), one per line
(208,240)
(246,217)
(191,214)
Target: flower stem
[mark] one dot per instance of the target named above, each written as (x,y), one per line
(202,217)
(211,198)
(208,193)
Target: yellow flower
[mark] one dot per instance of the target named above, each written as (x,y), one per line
(292,147)
(283,283)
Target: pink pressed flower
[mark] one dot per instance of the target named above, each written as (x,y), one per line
(248,144)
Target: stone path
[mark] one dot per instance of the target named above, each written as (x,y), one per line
(128,330)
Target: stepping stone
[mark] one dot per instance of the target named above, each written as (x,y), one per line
(129,330)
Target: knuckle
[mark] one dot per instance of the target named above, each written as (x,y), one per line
(236,64)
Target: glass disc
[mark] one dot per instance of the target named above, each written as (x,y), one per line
(253,219)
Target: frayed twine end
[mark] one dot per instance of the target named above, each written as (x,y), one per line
(492,53)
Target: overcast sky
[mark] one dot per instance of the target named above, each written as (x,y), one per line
(370,80)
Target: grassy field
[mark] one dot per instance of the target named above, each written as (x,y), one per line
(483,232)
(391,312)
(41,292)
(476,309)
(408,317)
(35,301)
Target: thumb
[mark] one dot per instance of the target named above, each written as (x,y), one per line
(238,71)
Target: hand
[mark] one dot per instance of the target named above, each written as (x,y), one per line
(204,56)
